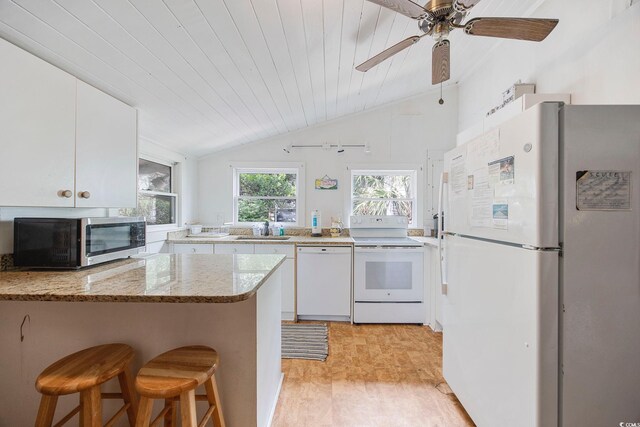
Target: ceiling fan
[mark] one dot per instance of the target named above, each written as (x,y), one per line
(438,17)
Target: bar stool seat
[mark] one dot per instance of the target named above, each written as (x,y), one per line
(83,372)
(174,376)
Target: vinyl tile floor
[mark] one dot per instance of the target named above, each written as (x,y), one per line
(375,376)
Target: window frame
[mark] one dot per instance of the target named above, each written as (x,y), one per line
(172,166)
(415,172)
(272,168)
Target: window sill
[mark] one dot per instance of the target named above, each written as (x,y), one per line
(164,227)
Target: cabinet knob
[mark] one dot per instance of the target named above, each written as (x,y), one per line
(193,250)
(235,250)
(84,194)
(65,193)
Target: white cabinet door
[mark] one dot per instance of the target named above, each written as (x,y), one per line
(184,248)
(37,131)
(287,250)
(288,293)
(106,150)
(433,288)
(287,274)
(437,286)
(234,248)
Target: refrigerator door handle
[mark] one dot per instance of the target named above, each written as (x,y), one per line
(441,260)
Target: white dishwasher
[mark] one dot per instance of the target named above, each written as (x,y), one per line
(324,282)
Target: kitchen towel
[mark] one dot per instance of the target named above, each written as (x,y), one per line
(305,341)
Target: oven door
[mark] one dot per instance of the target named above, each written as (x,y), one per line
(388,274)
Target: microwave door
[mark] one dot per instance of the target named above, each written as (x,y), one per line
(46,242)
(108,239)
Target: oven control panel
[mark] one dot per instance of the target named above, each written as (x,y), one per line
(379,221)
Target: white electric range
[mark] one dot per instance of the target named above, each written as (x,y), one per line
(388,279)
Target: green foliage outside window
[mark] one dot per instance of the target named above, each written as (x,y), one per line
(383,195)
(267,197)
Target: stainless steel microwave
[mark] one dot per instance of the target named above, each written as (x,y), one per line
(75,242)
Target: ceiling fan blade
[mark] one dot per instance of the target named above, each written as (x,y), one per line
(464,5)
(511,28)
(405,7)
(440,61)
(388,53)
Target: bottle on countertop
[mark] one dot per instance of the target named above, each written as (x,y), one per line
(316,223)
(266,228)
(435,225)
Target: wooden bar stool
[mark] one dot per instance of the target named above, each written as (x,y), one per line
(83,372)
(174,376)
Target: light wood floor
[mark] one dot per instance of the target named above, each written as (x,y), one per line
(375,375)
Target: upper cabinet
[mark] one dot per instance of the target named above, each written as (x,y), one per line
(106,150)
(63,143)
(37,131)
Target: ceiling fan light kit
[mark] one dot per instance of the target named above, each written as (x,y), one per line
(439,17)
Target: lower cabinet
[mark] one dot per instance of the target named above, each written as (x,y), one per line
(288,276)
(185,248)
(433,287)
(288,267)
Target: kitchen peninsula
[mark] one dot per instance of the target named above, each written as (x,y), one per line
(153,303)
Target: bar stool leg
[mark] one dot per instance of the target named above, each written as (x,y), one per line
(188,408)
(144,412)
(214,399)
(128,395)
(171,417)
(91,407)
(46,411)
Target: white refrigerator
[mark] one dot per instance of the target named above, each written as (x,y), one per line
(541,269)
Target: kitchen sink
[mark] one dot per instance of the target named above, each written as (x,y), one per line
(263,237)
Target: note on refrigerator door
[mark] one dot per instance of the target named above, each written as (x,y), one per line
(502,171)
(485,147)
(603,190)
(500,210)
(458,177)
(481,199)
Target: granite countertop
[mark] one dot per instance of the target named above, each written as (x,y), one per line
(175,278)
(298,240)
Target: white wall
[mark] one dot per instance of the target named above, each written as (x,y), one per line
(397,133)
(594,54)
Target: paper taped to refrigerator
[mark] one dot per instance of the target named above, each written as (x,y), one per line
(481,199)
(502,171)
(486,146)
(458,177)
(603,190)
(500,214)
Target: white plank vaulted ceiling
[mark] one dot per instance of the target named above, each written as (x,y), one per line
(211,74)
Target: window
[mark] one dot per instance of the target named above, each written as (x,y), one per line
(267,194)
(384,192)
(156,201)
